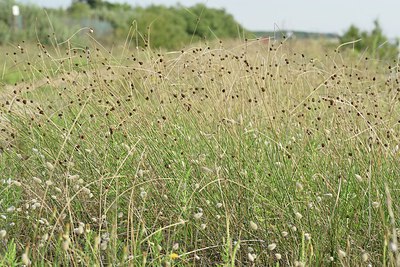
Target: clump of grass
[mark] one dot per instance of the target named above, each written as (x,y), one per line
(219,154)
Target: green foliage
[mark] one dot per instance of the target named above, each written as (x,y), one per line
(5,11)
(374,42)
(5,32)
(209,22)
(156,25)
(90,3)
(5,20)
(9,258)
(34,23)
(171,27)
(79,10)
(162,27)
(44,25)
(297,34)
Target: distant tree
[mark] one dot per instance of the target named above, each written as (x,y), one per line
(120,17)
(157,26)
(5,20)
(91,3)
(79,10)
(207,22)
(162,27)
(375,42)
(44,26)
(5,32)
(352,34)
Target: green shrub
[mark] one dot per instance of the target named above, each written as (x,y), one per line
(374,43)
(4,32)
(157,25)
(209,22)
(162,27)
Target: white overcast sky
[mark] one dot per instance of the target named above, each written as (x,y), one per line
(333,16)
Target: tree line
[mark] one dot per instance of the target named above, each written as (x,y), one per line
(155,25)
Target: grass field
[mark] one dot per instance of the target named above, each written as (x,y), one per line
(224,154)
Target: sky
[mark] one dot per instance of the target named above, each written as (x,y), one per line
(326,16)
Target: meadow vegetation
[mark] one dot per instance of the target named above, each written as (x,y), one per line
(283,153)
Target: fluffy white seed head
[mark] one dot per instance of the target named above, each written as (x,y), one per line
(140,173)
(252,257)
(65,244)
(35,206)
(298,215)
(253,226)
(3,234)
(307,236)
(25,259)
(393,246)
(86,190)
(342,254)
(79,230)
(73,177)
(299,186)
(278,256)
(11,209)
(37,180)
(365,257)
(143,194)
(45,237)
(198,215)
(49,166)
(271,246)
(103,245)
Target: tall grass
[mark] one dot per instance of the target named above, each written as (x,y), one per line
(232,154)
